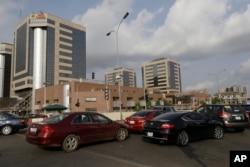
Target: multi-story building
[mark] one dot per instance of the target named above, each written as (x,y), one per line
(48,50)
(236,94)
(122,76)
(163,73)
(6,53)
(87,96)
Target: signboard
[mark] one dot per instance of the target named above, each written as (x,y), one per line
(90,99)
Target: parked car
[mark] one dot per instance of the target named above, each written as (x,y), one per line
(69,130)
(11,123)
(246,107)
(35,115)
(164,108)
(181,128)
(232,116)
(136,121)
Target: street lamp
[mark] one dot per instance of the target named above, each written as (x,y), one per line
(1,83)
(118,63)
(217,80)
(45,84)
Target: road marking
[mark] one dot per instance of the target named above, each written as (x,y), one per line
(116,159)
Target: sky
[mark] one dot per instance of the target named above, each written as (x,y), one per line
(210,39)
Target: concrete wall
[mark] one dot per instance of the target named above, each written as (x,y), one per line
(117,115)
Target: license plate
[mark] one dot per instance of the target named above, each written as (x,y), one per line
(238,118)
(33,130)
(150,134)
(132,122)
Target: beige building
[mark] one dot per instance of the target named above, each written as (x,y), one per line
(123,76)
(163,73)
(48,51)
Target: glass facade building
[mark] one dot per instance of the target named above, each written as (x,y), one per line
(48,50)
(6,53)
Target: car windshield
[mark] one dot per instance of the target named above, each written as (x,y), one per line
(141,114)
(56,118)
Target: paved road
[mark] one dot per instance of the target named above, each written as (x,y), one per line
(14,151)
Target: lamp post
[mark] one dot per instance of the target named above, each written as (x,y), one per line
(217,80)
(44,103)
(2,83)
(118,61)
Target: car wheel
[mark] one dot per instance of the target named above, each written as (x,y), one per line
(121,134)
(182,138)
(6,130)
(70,143)
(218,132)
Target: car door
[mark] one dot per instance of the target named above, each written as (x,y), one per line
(104,127)
(197,125)
(83,126)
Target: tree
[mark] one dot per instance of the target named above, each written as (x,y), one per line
(137,106)
(158,102)
(166,103)
(216,100)
(149,104)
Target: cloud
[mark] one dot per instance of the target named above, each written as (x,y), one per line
(201,86)
(192,30)
(245,67)
(202,35)
(10,12)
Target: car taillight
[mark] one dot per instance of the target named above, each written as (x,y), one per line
(126,120)
(247,114)
(167,126)
(141,121)
(224,114)
(22,120)
(47,129)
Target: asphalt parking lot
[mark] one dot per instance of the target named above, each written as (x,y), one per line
(15,151)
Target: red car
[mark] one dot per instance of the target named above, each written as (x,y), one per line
(68,130)
(136,121)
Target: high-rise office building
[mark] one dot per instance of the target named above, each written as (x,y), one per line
(48,50)
(121,75)
(163,73)
(6,53)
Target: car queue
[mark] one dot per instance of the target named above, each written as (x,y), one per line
(69,130)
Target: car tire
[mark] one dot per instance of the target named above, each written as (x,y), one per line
(182,138)
(6,130)
(218,132)
(70,143)
(121,134)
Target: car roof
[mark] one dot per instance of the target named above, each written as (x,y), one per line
(81,112)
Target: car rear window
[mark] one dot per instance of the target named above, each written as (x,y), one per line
(56,118)
(141,114)
(233,109)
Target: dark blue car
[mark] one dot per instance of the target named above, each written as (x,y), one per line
(11,123)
